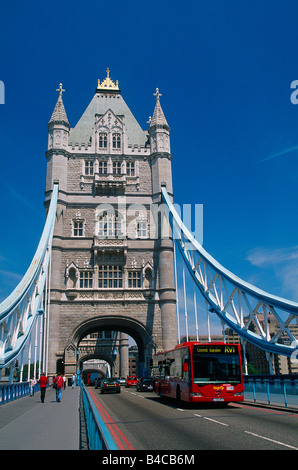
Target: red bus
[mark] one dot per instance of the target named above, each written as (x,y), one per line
(200,372)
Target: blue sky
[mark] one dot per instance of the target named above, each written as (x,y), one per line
(224,68)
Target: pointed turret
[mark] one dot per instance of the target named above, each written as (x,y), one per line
(58,125)
(158,115)
(59,113)
(159,129)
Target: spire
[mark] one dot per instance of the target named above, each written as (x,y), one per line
(59,114)
(158,115)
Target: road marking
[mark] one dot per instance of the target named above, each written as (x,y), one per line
(179,409)
(214,421)
(111,425)
(199,416)
(271,440)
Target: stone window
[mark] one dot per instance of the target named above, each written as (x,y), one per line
(134,279)
(116,141)
(141,229)
(102,168)
(103,140)
(78,228)
(116,168)
(110,277)
(86,280)
(110,224)
(130,169)
(88,168)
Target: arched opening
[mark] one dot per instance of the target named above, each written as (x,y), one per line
(119,324)
(72,279)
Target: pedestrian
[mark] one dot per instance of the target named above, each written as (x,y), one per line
(64,382)
(43,382)
(73,381)
(59,382)
(32,385)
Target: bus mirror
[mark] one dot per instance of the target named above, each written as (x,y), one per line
(185,367)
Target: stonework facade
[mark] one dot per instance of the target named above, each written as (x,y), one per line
(110,269)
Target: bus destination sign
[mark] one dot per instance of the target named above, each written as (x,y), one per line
(216,349)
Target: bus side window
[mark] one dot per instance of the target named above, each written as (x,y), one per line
(185,368)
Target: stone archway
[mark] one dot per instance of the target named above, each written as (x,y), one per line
(132,327)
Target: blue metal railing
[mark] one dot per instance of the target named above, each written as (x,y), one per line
(11,392)
(98,434)
(281,390)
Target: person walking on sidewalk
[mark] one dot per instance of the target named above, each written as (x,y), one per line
(73,381)
(58,382)
(43,382)
(32,384)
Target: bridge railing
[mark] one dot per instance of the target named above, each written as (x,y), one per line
(98,434)
(11,392)
(281,390)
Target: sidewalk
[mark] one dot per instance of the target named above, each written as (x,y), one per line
(28,424)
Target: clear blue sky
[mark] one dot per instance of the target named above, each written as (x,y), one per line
(224,68)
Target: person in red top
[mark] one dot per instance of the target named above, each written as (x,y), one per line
(58,382)
(43,382)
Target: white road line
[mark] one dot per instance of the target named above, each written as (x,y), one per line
(214,421)
(199,416)
(179,409)
(271,440)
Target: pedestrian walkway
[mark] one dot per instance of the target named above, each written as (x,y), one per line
(28,424)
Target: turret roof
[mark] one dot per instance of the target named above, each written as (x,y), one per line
(158,115)
(59,113)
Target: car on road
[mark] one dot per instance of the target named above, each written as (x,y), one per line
(121,380)
(110,385)
(131,380)
(145,384)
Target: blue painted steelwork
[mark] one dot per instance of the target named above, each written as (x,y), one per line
(280,390)
(11,392)
(236,302)
(98,434)
(19,311)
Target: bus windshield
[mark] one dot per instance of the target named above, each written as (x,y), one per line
(216,368)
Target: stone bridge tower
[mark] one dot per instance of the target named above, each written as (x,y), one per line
(110,268)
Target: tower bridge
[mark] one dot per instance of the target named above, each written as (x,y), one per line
(107,262)
(104,261)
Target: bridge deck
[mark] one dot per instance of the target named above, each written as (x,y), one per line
(28,424)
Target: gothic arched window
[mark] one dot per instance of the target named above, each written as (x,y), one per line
(110,224)
(103,140)
(116,142)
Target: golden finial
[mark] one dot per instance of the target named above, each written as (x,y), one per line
(107,83)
